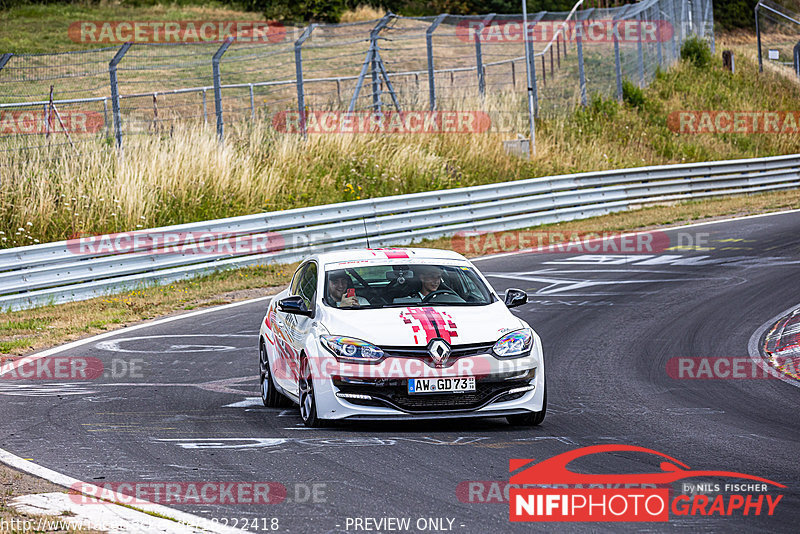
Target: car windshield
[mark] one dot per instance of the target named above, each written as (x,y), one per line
(386,286)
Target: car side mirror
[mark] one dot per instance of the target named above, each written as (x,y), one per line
(295,305)
(515,297)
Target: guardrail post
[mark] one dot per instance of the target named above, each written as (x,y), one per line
(478,55)
(112,72)
(217,85)
(431,74)
(298,66)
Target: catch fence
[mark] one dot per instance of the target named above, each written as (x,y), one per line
(397,63)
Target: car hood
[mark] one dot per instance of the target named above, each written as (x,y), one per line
(417,325)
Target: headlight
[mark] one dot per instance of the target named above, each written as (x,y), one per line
(351,349)
(516,343)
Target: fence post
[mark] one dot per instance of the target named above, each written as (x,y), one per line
(683,20)
(105,117)
(617,63)
(640,50)
(478,56)
(697,22)
(370,60)
(298,66)
(217,85)
(673,14)
(581,72)
(252,104)
(655,20)
(205,109)
(758,41)
(530,64)
(431,75)
(4,59)
(708,18)
(795,59)
(112,72)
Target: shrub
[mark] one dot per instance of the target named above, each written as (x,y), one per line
(696,51)
(632,94)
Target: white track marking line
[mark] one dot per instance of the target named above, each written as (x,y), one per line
(55,350)
(65,481)
(663,228)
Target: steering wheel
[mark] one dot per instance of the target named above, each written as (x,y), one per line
(430,295)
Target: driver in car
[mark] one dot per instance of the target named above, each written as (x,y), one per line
(430,277)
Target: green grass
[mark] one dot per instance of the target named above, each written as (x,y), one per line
(14,345)
(43,28)
(26,324)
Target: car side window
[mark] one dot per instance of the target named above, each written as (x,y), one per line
(298,275)
(308,285)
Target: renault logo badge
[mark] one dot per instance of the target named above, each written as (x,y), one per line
(439,351)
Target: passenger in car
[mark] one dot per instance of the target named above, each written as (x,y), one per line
(338,284)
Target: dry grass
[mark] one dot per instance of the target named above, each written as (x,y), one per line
(161,181)
(361,13)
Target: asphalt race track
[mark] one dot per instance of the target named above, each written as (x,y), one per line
(609,324)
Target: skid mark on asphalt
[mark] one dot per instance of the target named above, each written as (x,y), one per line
(114,345)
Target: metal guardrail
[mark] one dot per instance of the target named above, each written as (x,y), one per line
(61,272)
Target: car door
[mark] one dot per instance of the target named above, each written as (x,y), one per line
(284,368)
(297,327)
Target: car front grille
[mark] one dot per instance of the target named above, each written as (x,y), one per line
(394,393)
(456,352)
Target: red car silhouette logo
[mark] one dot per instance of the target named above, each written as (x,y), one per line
(554,470)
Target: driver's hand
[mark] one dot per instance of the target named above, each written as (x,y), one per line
(349,302)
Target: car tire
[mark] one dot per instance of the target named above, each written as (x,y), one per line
(308,401)
(269,395)
(531,418)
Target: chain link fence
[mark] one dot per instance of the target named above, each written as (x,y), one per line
(395,63)
(778,33)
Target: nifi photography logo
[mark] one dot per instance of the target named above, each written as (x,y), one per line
(549,491)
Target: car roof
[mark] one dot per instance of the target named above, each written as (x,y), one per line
(389,255)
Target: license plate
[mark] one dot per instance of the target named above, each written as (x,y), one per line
(441,385)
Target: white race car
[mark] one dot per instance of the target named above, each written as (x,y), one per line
(381,334)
